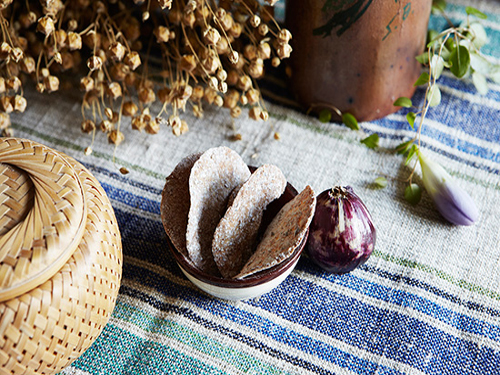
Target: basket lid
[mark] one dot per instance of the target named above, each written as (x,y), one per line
(42,214)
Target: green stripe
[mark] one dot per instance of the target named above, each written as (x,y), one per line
(139,356)
(197,341)
(438,273)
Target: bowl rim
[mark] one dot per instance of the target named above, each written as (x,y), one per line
(253,280)
(259,277)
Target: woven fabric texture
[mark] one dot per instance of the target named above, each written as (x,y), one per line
(426,302)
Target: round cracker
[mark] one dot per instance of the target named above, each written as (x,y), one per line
(283,235)
(175,202)
(235,236)
(216,173)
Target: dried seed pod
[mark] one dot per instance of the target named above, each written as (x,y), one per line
(236,30)
(153,126)
(263,29)
(231,99)
(74,41)
(198,93)
(114,90)
(211,36)
(51,83)
(264,115)
(254,113)
(256,68)
(275,62)
(254,21)
(218,101)
(140,122)
(129,109)
(16,54)
(4,121)
(234,57)
(45,25)
(94,63)
(284,51)
(165,4)
(235,112)
(133,60)
(162,34)
(13,83)
(19,103)
(87,126)
(115,137)
(284,36)
(250,52)
(253,96)
(117,51)
(6,104)
(86,84)
(146,95)
(188,63)
(244,83)
(264,51)
(61,38)
(106,126)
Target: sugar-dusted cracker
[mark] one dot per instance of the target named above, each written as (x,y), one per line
(175,202)
(236,234)
(283,235)
(216,173)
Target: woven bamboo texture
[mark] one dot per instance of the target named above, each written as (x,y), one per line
(44,329)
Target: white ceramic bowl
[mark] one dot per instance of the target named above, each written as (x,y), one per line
(251,286)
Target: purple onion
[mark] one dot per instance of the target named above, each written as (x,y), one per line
(341,235)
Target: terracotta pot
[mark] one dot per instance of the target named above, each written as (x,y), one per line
(356,55)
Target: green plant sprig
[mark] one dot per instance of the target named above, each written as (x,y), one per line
(457,49)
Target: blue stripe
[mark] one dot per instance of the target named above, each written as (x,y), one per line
(323,350)
(401,338)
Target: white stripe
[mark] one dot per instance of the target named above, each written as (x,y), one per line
(315,335)
(74,371)
(241,346)
(451,131)
(476,99)
(435,143)
(347,291)
(407,311)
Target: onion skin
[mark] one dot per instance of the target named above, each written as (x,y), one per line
(341,235)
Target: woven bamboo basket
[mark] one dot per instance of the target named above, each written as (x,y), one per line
(60,258)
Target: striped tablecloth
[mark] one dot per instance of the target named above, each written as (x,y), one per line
(426,302)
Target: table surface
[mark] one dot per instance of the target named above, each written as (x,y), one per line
(426,302)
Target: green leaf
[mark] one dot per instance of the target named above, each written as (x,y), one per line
(495,74)
(479,81)
(371,141)
(434,95)
(437,66)
(410,117)
(413,194)
(380,182)
(480,64)
(460,61)
(350,121)
(325,115)
(478,33)
(422,80)
(403,148)
(411,153)
(474,12)
(403,102)
(423,58)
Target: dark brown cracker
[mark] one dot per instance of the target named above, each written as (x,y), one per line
(175,202)
(216,173)
(283,235)
(235,236)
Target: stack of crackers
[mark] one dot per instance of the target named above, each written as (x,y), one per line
(212,208)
